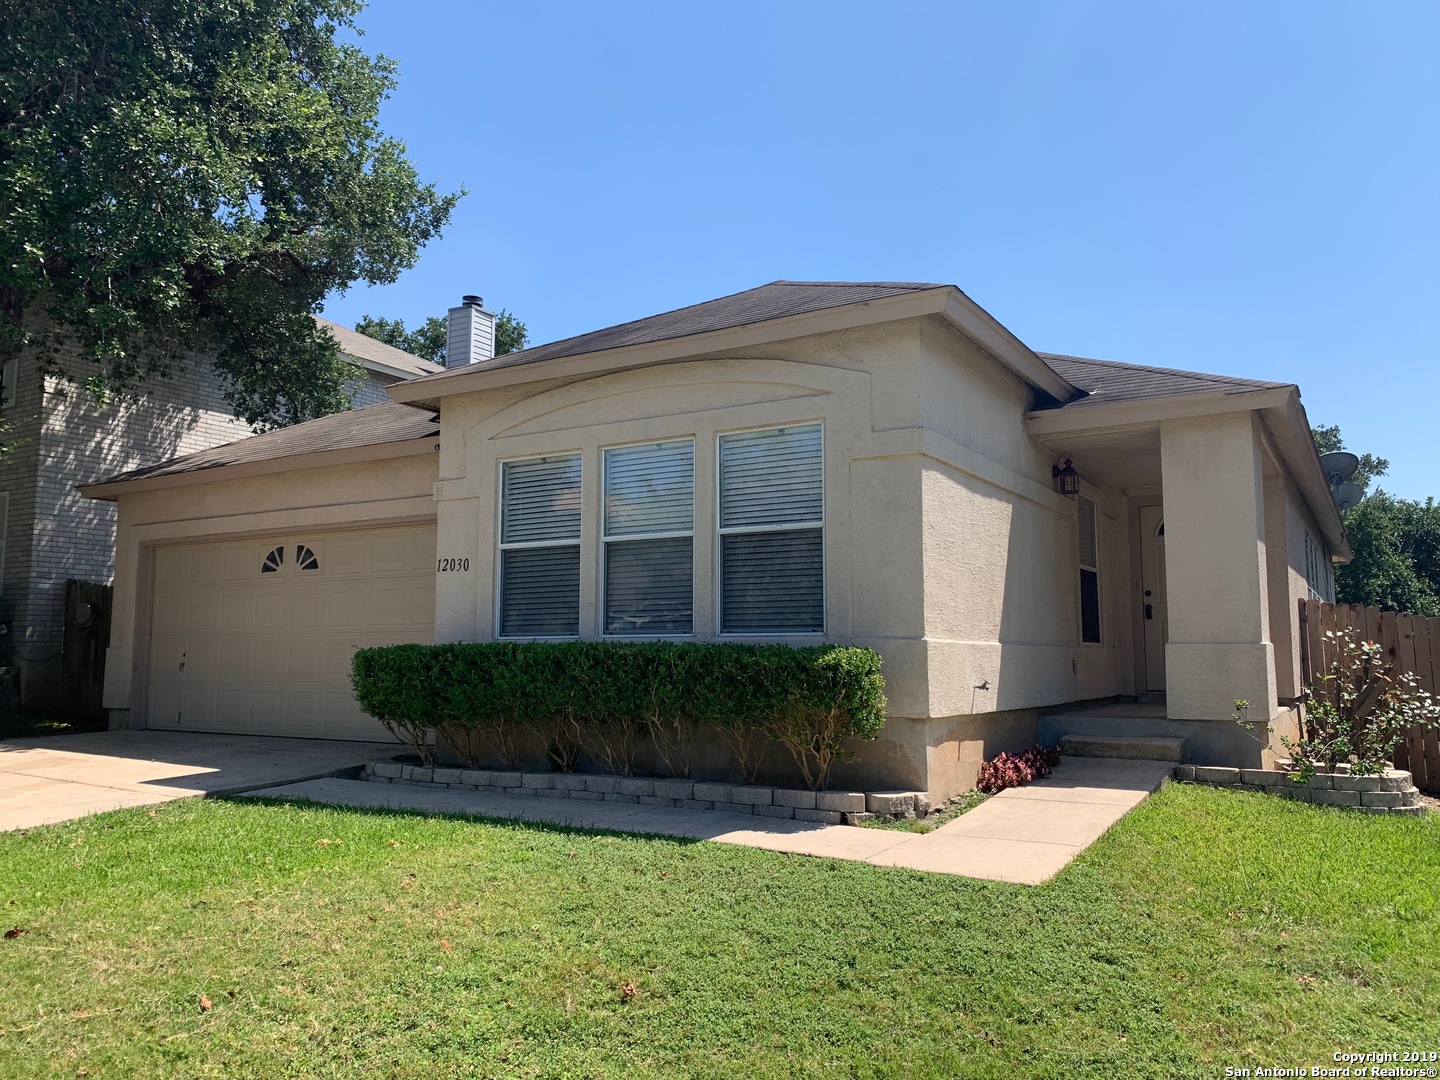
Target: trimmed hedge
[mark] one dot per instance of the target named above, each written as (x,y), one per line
(608,698)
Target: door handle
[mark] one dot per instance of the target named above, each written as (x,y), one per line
(1149,612)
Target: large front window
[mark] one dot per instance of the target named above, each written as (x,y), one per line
(771,531)
(540,547)
(648,536)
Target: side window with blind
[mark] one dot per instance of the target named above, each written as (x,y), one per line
(1089,572)
(771,527)
(648,535)
(540,547)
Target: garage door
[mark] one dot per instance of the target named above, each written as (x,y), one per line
(256,636)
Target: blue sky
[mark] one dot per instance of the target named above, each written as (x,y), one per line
(1249,189)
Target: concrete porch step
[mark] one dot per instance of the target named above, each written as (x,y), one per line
(1131,747)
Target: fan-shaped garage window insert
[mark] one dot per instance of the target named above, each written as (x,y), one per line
(273,562)
(305,559)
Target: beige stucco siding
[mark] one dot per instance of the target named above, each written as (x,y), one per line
(387,491)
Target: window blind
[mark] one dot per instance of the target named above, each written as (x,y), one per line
(772,551)
(539,547)
(770,477)
(650,489)
(541,500)
(1089,572)
(649,541)
(1089,555)
(540,591)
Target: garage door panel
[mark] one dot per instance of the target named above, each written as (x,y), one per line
(272,607)
(235,649)
(202,610)
(234,658)
(347,605)
(172,566)
(389,553)
(237,608)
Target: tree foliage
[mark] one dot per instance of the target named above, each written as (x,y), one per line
(1396,542)
(428,340)
(197,175)
(1397,555)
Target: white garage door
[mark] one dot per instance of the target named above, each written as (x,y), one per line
(256,636)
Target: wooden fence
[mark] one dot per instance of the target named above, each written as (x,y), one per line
(1413,641)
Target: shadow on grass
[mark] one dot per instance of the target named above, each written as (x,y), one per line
(513,823)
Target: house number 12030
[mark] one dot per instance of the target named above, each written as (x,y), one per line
(444,565)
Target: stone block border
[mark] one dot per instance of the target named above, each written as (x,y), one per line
(1392,792)
(824,807)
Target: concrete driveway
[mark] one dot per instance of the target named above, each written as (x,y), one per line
(69,776)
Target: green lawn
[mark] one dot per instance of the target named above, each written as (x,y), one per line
(1209,928)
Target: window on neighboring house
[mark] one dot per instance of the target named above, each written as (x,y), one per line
(9,377)
(4,531)
(1089,571)
(648,537)
(771,531)
(540,547)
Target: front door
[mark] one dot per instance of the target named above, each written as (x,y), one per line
(1154,610)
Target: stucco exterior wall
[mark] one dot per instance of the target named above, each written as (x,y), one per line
(393,490)
(947,548)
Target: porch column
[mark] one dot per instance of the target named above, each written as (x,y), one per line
(1219,648)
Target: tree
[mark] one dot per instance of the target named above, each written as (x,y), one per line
(1395,542)
(1328,440)
(428,342)
(197,175)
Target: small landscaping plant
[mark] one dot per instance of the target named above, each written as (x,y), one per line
(1006,770)
(608,699)
(1358,711)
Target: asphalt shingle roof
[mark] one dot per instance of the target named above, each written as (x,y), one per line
(1107,381)
(387,422)
(363,348)
(773,301)
(1104,381)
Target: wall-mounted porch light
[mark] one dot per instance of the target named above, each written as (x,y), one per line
(1067,480)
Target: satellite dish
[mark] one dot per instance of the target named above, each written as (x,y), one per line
(1339,465)
(1347,495)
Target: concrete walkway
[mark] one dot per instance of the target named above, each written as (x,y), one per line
(56,778)
(1025,835)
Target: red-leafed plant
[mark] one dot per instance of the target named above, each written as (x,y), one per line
(1006,770)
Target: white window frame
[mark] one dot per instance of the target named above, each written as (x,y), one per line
(606,539)
(501,547)
(719,560)
(1095,569)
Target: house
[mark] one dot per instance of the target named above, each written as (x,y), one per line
(874,463)
(61,436)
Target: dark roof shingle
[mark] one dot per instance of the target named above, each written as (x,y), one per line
(387,422)
(1106,381)
(773,301)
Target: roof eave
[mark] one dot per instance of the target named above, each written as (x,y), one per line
(991,335)
(1149,410)
(110,490)
(945,301)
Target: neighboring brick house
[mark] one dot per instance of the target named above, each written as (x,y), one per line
(60,438)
